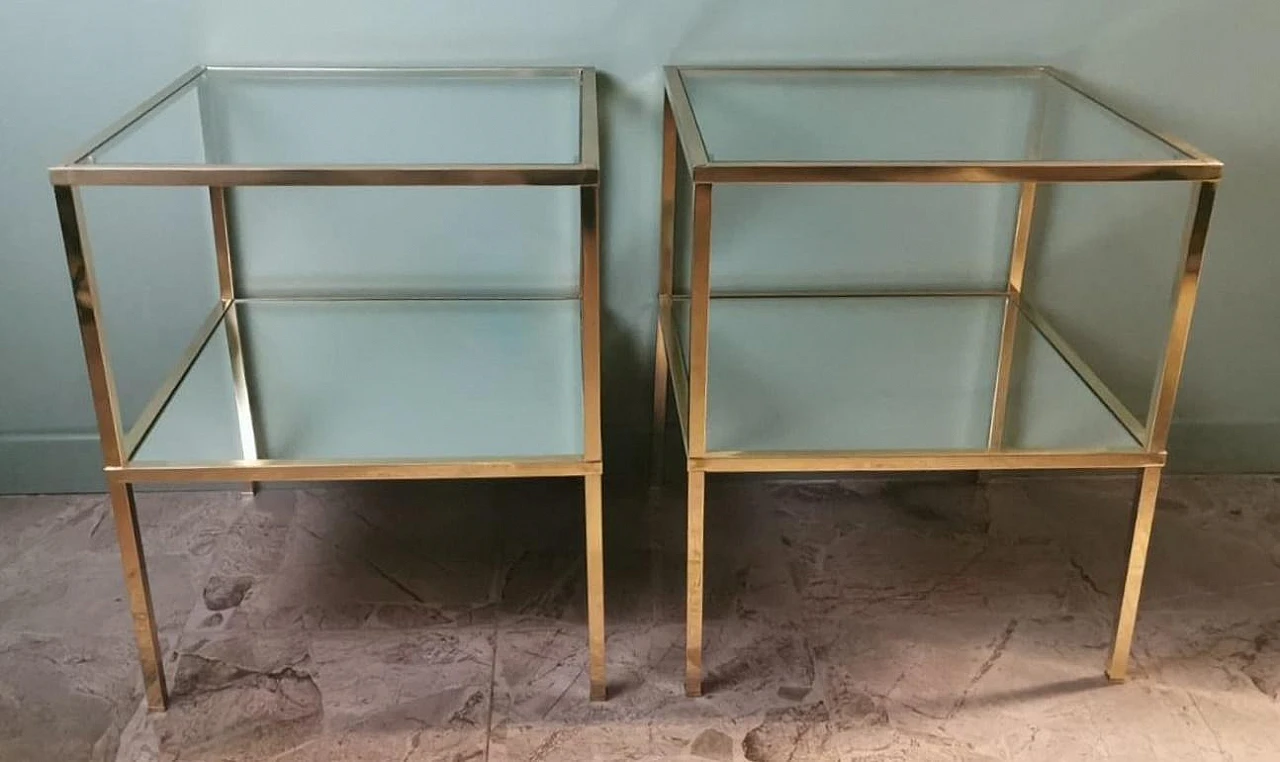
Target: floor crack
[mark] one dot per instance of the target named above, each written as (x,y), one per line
(563,692)
(1084,576)
(1217,739)
(997,650)
(921,596)
(400,585)
(381,572)
(103,510)
(413,744)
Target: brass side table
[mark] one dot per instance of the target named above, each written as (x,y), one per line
(887,373)
(333,383)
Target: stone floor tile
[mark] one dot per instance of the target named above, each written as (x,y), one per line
(921,618)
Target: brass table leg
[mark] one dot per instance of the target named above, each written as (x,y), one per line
(227,292)
(1144,513)
(693,613)
(139,590)
(595,586)
(659,414)
(666,256)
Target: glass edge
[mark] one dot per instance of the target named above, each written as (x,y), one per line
(138,115)
(84,156)
(1048,73)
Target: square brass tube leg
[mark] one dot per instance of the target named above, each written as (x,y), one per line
(693,612)
(595,586)
(656,454)
(139,590)
(1144,513)
(666,251)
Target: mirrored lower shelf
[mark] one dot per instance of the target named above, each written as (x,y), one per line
(367,380)
(890,373)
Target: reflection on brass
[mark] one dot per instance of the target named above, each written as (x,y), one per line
(666,248)
(681,135)
(589,292)
(1143,514)
(699,319)
(667,224)
(693,585)
(1004,375)
(85,168)
(659,432)
(589,275)
(588,118)
(235,344)
(950,172)
(883,293)
(222,243)
(690,138)
(240,385)
(595,587)
(138,587)
(673,349)
(918,460)
(277,470)
(1160,415)
(326,175)
(1017,269)
(84,292)
(1022,235)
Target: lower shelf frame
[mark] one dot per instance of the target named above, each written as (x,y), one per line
(301,470)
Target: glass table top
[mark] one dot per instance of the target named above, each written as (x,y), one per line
(308,117)
(844,115)
(366,380)
(888,373)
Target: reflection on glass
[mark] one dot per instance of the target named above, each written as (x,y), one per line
(379,380)
(907,116)
(328,241)
(811,237)
(1132,232)
(280,118)
(156,278)
(887,373)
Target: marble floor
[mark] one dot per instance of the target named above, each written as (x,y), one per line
(892,619)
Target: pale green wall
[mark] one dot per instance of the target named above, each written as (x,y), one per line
(67,69)
(1201,70)
(1207,71)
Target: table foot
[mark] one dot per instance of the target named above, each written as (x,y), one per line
(125,512)
(1144,514)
